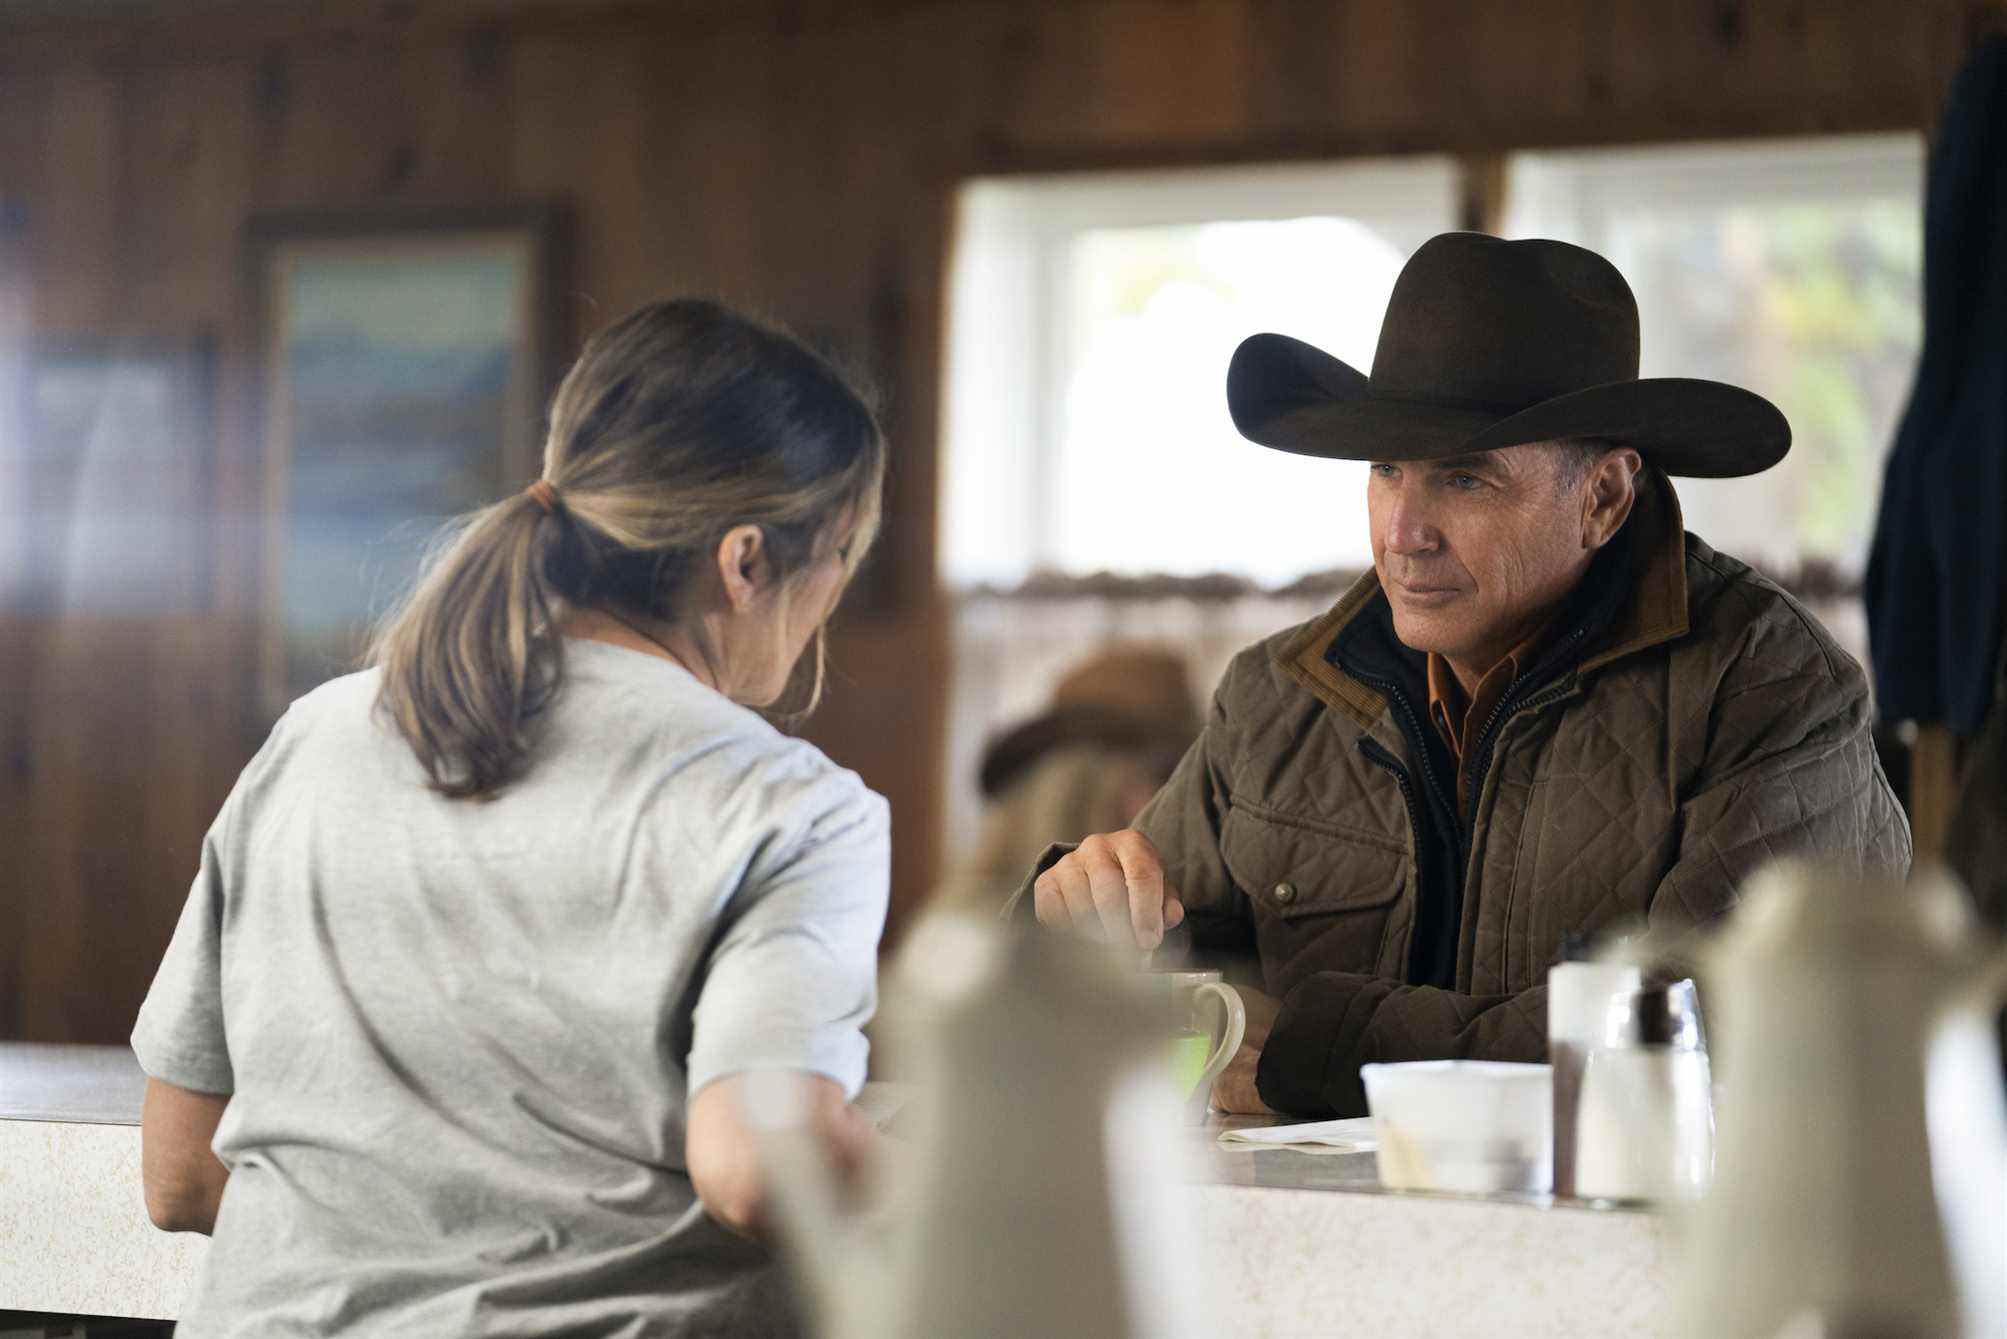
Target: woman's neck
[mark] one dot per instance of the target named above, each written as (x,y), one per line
(665,641)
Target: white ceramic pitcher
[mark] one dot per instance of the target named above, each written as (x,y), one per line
(1861,1176)
(1041,1196)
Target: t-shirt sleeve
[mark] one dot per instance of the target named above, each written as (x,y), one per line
(793,978)
(179,1036)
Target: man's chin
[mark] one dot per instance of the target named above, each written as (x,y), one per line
(1426,630)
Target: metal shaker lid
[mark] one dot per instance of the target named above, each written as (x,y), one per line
(1657,1015)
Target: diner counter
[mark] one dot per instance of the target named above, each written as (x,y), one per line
(74,1236)
(1299,1242)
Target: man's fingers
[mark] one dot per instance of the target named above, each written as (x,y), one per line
(1110,889)
(1047,902)
(1078,896)
(1174,911)
(1145,877)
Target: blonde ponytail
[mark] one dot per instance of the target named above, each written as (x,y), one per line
(473,655)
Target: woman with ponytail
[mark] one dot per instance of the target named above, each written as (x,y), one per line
(488,936)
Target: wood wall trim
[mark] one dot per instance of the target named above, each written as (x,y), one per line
(227,29)
(1471,144)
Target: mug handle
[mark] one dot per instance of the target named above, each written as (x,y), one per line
(1236,1032)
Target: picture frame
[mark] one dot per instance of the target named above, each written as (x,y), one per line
(112,477)
(404,362)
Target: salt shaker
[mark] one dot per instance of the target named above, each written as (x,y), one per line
(1579,996)
(1645,1119)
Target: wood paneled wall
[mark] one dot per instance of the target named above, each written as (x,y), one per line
(798,156)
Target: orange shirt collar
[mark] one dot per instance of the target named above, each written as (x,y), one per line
(1456,717)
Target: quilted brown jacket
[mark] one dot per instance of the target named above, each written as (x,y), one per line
(1692,722)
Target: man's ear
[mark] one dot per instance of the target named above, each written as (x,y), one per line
(1611,490)
(742,565)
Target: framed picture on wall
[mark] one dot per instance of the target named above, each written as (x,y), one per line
(111,478)
(405,360)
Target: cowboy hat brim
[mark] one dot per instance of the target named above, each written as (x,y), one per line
(1292,396)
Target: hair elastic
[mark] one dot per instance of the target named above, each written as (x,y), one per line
(545,495)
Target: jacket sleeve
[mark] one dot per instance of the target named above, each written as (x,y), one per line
(1334,1022)
(1791,768)
(1183,822)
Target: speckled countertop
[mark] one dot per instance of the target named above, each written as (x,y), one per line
(1299,1243)
(74,1236)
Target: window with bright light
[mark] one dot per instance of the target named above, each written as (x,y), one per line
(1794,268)
(1092,323)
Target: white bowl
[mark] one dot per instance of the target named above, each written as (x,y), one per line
(1472,1127)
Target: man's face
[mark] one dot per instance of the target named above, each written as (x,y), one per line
(1476,551)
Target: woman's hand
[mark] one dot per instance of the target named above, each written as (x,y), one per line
(722,1153)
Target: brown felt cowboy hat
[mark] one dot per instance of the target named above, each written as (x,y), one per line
(1490,343)
(1129,698)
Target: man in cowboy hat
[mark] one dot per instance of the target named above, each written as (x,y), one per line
(1546,711)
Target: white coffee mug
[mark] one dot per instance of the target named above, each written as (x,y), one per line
(1190,998)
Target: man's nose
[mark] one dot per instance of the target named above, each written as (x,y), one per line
(1409,527)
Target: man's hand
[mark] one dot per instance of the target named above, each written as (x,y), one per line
(1234,1091)
(1112,888)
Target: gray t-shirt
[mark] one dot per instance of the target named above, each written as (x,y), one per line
(460,1036)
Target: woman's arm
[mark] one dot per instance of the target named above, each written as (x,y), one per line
(720,1147)
(183,1179)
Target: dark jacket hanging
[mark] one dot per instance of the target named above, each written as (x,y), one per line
(1938,568)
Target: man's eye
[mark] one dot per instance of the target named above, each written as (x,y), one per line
(1465,482)
(1385,470)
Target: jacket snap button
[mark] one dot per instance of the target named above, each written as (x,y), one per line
(1285,892)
